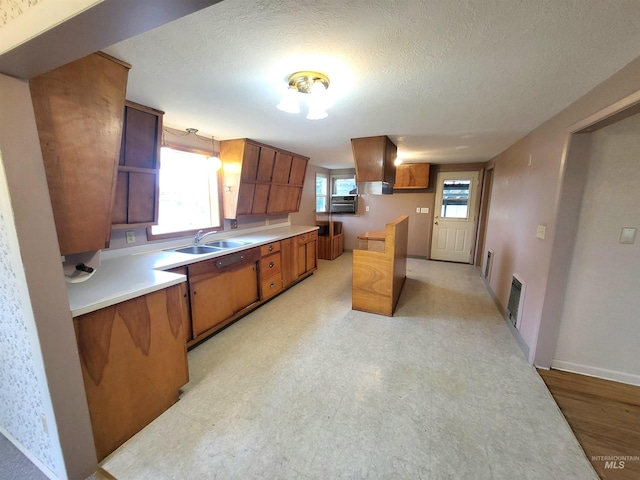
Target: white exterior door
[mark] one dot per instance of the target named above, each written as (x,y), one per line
(454,216)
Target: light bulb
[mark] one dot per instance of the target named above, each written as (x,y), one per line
(289,101)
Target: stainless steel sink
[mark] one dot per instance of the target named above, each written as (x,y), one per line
(226,244)
(198,249)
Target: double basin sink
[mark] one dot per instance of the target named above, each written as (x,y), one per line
(211,247)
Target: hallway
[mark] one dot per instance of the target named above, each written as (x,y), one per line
(304,387)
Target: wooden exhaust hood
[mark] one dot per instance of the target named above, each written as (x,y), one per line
(374,159)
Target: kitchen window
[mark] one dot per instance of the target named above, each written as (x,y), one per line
(343,185)
(322,185)
(189,197)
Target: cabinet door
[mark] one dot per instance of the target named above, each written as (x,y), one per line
(282,168)
(288,259)
(186,306)
(142,197)
(250,158)
(217,295)
(311,256)
(245,198)
(284,199)
(265,165)
(260,199)
(136,197)
(244,285)
(140,138)
(301,260)
(412,175)
(211,302)
(298,170)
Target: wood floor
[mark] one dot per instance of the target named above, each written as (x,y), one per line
(604,416)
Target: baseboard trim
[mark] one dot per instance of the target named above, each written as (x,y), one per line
(514,331)
(596,372)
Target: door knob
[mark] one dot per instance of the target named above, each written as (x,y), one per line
(436,223)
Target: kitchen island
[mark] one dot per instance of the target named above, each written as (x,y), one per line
(378,276)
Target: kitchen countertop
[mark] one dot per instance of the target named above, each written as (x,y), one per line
(129,276)
(378,235)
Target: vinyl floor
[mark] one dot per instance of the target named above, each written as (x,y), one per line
(306,388)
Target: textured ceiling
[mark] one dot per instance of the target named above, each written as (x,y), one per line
(449,81)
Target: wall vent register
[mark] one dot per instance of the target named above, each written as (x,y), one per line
(513,307)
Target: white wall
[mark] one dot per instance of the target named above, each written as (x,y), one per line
(599,330)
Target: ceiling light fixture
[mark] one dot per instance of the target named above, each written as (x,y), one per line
(314,86)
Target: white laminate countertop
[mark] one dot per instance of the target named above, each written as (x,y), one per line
(130,276)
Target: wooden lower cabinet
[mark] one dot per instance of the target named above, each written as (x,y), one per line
(221,289)
(134,362)
(306,253)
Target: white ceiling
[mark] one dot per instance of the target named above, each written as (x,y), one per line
(449,81)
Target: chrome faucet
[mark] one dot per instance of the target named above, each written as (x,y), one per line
(201,235)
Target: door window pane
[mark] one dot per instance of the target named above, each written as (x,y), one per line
(455,198)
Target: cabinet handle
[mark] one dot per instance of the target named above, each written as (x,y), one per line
(272,285)
(303,237)
(271,264)
(271,248)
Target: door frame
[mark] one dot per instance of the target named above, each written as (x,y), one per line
(480,167)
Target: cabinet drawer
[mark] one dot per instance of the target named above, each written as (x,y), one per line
(270,265)
(270,248)
(308,237)
(271,285)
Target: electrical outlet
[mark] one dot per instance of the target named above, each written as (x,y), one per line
(131,237)
(366,209)
(234,224)
(417,209)
(541,232)
(628,236)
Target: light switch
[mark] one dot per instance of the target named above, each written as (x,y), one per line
(424,210)
(366,209)
(541,232)
(628,236)
(417,209)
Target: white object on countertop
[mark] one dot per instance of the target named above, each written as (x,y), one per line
(91,260)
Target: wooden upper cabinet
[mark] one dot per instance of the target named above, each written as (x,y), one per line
(259,179)
(136,198)
(78,109)
(412,175)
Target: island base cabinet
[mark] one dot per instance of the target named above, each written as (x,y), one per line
(134,362)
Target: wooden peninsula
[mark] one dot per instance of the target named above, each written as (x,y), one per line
(378,276)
